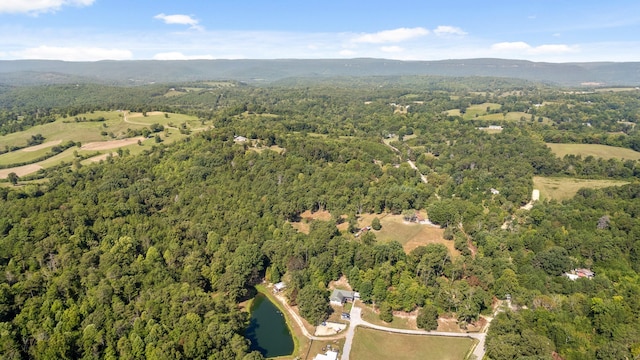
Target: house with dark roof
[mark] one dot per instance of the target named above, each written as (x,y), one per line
(339,297)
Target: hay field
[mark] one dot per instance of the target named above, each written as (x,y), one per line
(595,150)
(566,188)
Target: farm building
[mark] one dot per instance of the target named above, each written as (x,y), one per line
(576,274)
(339,297)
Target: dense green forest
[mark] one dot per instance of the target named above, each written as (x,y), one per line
(147,256)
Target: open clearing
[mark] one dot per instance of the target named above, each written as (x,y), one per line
(48,144)
(479,112)
(379,345)
(595,150)
(20,170)
(566,188)
(96,137)
(307,217)
(111,144)
(410,235)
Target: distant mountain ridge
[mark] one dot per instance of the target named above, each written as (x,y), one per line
(139,72)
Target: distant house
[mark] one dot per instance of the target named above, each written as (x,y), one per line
(339,297)
(240,139)
(576,274)
(494,191)
(330,355)
(279,286)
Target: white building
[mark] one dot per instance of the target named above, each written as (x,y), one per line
(330,355)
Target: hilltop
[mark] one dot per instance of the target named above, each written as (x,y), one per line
(39,72)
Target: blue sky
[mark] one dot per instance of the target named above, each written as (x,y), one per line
(543,30)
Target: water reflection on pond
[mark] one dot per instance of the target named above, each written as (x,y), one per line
(268,329)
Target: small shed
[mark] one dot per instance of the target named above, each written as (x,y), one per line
(279,286)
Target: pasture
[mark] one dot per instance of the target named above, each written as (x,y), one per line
(566,188)
(487,111)
(379,345)
(410,235)
(595,150)
(96,137)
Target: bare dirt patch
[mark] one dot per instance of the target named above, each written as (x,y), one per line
(341,283)
(307,217)
(448,324)
(100,157)
(329,328)
(111,144)
(150,113)
(42,146)
(20,170)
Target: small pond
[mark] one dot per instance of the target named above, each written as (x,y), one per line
(268,330)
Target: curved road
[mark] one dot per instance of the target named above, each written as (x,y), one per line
(356,320)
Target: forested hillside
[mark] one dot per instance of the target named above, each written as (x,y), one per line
(142,72)
(148,256)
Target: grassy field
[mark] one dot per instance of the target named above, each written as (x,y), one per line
(65,129)
(566,188)
(378,345)
(595,150)
(410,235)
(398,322)
(620,89)
(479,112)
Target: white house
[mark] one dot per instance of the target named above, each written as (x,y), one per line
(330,355)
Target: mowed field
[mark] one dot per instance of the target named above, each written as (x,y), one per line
(90,135)
(566,188)
(410,235)
(479,112)
(379,345)
(595,150)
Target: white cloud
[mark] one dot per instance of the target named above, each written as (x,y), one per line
(347,52)
(175,55)
(38,6)
(180,20)
(391,36)
(391,49)
(521,46)
(444,30)
(553,49)
(72,53)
